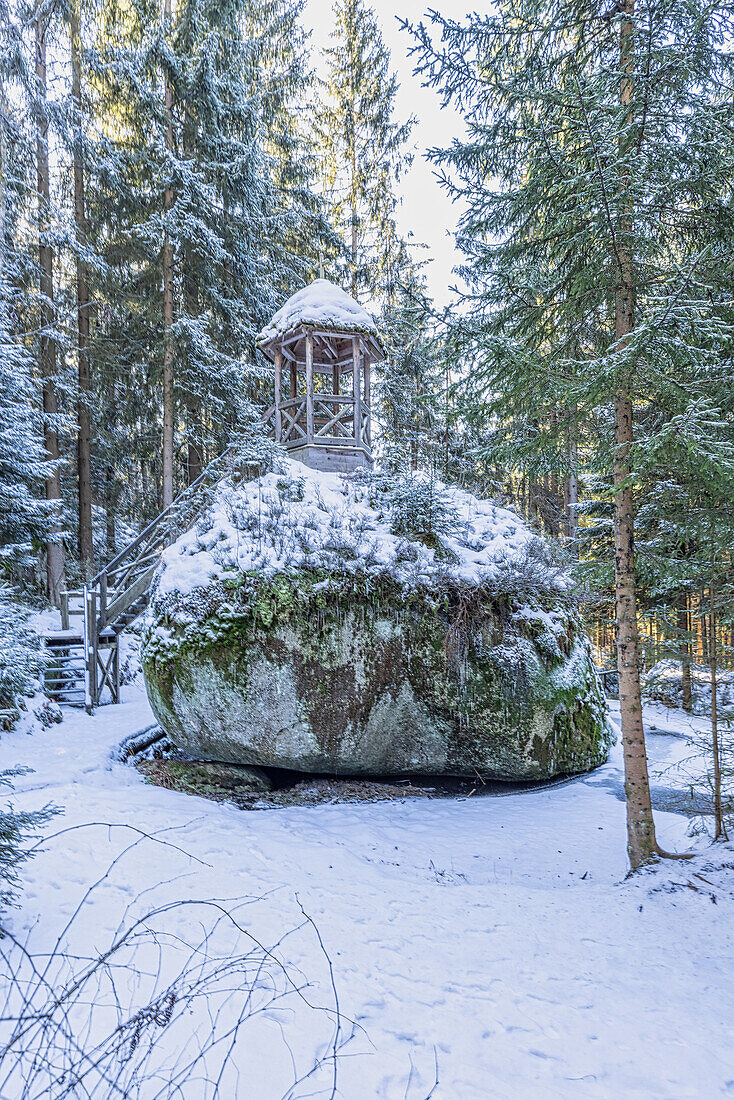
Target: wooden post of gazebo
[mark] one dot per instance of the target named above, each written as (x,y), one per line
(328,342)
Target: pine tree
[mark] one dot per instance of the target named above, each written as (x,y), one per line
(362,147)
(606,136)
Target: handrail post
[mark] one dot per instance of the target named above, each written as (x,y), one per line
(309,387)
(103,599)
(278,396)
(85,641)
(94,646)
(367,402)
(357,389)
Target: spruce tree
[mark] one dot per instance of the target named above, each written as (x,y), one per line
(596,173)
(408,387)
(24,516)
(362,147)
(83,305)
(48,335)
(211,210)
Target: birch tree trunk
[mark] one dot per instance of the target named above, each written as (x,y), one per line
(641,843)
(84,464)
(47,356)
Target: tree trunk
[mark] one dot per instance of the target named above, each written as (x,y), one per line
(571,490)
(84,464)
(572,496)
(194,458)
(110,514)
(641,844)
(55,549)
(719,830)
(447,436)
(554,486)
(110,486)
(168,351)
(194,455)
(354,246)
(683,617)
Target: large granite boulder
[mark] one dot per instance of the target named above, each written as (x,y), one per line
(306,624)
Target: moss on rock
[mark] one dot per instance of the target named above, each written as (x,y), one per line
(358,674)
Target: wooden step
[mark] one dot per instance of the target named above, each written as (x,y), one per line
(60,639)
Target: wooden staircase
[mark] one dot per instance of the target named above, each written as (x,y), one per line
(84,656)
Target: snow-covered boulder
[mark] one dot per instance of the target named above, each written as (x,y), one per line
(331,623)
(664,684)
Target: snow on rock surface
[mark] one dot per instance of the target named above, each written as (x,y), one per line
(370,626)
(322,304)
(664,684)
(295,516)
(493,943)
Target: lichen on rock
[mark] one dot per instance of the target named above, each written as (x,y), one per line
(299,625)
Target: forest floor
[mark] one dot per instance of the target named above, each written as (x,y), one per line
(482,947)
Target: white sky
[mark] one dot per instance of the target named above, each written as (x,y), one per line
(426,209)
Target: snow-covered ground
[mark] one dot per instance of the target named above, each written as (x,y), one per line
(489,944)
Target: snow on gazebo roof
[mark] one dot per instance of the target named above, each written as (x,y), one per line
(321,304)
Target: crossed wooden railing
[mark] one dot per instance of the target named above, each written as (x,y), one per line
(333,420)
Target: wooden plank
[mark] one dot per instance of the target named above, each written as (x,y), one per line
(334,334)
(278,374)
(366,428)
(90,650)
(309,386)
(127,598)
(328,347)
(334,398)
(357,388)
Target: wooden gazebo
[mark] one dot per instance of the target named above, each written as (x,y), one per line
(323,343)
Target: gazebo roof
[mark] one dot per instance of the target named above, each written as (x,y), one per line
(323,305)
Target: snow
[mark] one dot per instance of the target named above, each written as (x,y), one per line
(323,305)
(302,517)
(491,942)
(664,683)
